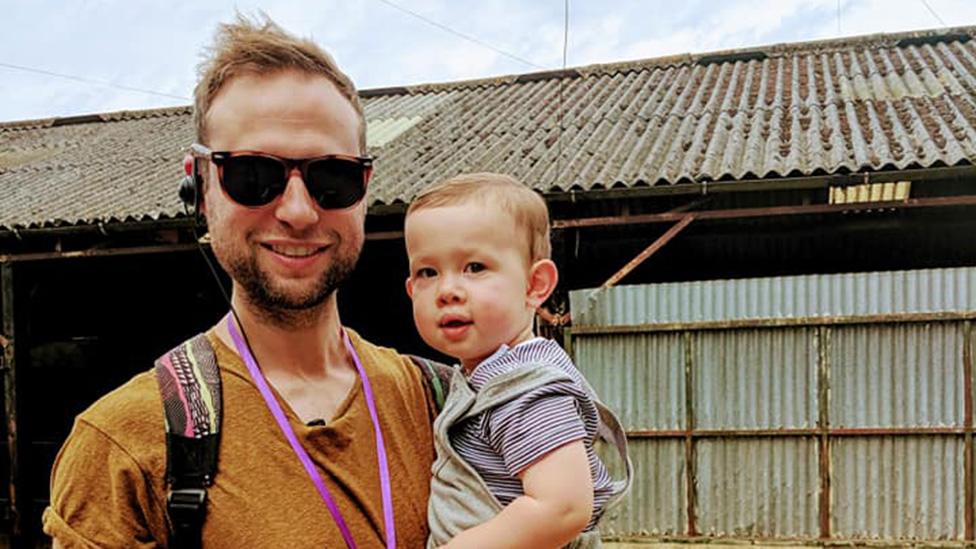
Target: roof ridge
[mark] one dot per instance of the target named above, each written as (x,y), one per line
(771,50)
(111,116)
(778,49)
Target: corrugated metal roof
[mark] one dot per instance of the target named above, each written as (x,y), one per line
(862,104)
(116,167)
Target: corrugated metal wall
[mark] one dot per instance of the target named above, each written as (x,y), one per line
(838,295)
(806,407)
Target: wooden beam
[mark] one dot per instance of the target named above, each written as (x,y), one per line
(643,190)
(650,250)
(823,334)
(772,211)
(967,398)
(9,371)
(691,450)
(98,252)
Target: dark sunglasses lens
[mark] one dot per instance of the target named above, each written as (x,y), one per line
(253,180)
(336,182)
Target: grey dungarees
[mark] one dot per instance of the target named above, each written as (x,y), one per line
(459,498)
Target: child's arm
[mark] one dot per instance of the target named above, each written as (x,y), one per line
(557,505)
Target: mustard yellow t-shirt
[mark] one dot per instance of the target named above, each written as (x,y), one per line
(108,490)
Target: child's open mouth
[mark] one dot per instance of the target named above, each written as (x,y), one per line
(454,323)
(454,327)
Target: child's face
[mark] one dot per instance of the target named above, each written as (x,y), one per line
(469,280)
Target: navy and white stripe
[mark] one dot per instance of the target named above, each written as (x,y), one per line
(502,442)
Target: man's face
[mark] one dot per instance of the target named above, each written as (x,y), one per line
(290,254)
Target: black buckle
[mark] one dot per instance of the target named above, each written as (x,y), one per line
(187,505)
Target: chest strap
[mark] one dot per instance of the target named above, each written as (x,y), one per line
(189,383)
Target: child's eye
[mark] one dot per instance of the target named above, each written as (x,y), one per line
(425,272)
(474,267)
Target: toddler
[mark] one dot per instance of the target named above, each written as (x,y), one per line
(515,461)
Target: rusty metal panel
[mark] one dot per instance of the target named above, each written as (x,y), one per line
(755,379)
(639,376)
(655,505)
(835,295)
(758,487)
(898,488)
(902,375)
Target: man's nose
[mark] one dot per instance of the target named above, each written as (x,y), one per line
(297,208)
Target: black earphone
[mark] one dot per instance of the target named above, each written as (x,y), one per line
(191,187)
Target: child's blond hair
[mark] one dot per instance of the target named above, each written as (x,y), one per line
(526,207)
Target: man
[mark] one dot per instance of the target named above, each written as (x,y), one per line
(281,140)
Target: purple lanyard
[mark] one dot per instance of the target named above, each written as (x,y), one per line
(289,433)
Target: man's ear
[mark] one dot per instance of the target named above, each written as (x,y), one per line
(202,186)
(409,285)
(543,277)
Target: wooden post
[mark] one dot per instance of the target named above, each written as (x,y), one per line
(9,370)
(967,398)
(823,425)
(691,494)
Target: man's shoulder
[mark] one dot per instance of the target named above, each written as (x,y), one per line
(128,409)
(399,377)
(385,359)
(107,480)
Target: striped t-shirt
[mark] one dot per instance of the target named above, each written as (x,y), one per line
(500,443)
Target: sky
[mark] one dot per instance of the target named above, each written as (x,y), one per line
(73,57)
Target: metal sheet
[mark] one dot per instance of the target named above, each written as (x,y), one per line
(761,487)
(641,377)
(898,488)
(850,294)
(908,375)
(864,104)
(656,503)
(755,379)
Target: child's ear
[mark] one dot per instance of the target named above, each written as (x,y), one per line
(543,277)
(409,284)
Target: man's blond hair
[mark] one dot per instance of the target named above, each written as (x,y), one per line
(260,47)
(526,207)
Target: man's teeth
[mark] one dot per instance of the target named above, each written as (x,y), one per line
(294,251)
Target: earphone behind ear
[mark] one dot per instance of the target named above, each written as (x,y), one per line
(191,186)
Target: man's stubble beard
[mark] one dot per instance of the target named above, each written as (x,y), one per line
(275,304)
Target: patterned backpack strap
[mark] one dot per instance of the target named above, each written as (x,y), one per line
(437,376)
(189,383)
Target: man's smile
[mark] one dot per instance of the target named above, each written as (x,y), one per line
(294,250)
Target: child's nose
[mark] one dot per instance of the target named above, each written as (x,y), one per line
(449,291)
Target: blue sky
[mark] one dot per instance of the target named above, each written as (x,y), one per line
(155,46)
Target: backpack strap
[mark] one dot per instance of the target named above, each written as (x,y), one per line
(189,383)
(438,378)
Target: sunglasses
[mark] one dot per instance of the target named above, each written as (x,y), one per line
(255,179)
